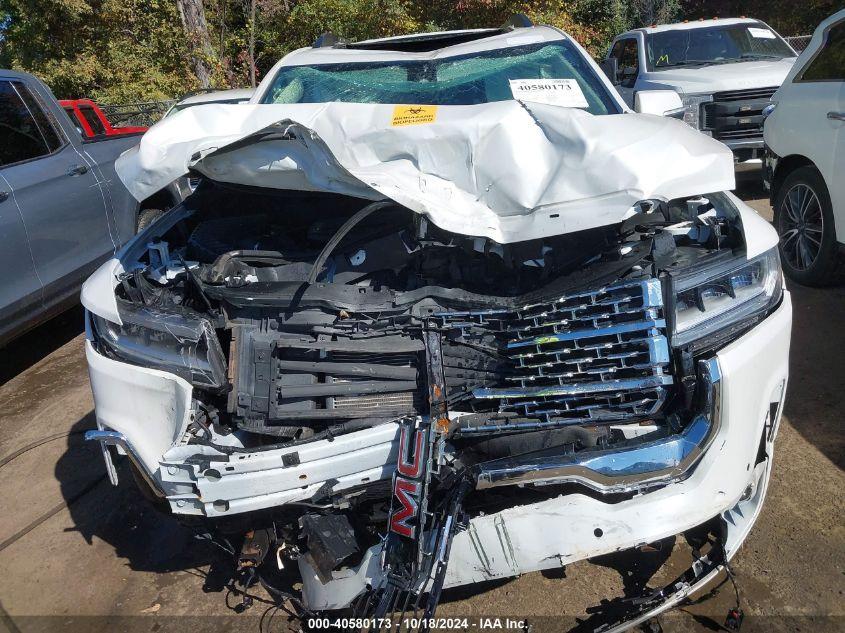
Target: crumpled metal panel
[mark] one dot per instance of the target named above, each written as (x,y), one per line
(507,171)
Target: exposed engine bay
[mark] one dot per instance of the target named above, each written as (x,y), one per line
(302,318)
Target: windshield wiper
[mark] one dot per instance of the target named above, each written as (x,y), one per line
(689,62)
(760,56)
(713,62)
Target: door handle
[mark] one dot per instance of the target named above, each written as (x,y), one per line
(836,116)
(4,195)
(77,170)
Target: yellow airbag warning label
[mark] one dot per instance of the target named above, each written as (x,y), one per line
(413,114)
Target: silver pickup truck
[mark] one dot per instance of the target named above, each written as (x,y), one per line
(62,209)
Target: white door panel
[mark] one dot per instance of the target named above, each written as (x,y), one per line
(836,180)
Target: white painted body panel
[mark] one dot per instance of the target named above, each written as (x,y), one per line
(800,126)
(150,407)
(710,79)
(494,170)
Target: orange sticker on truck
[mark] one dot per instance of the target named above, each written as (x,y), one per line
(413,114)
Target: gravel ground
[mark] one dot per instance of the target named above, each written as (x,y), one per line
(101,559)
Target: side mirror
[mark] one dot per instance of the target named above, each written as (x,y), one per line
(610,67)
(660,102)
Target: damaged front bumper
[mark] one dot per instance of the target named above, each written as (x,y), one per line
(718,466)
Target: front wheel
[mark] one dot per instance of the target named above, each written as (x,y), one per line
(147,217)
(803,217)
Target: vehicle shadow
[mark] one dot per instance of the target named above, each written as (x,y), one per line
(25,351)
(749,184)
(147,538)
(816,392)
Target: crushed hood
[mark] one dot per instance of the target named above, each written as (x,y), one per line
(504,170)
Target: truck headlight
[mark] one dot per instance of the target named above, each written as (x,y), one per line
(165,340)
(723,296)
(692,103)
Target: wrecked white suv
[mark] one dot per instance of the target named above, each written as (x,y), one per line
(507,327)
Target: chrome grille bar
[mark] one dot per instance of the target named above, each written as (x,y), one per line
(596,355)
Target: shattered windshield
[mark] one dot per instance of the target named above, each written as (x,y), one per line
(714,45)
(480,77)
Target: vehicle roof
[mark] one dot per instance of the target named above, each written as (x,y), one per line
(692,24)
(429,35)
(15,74)
(218,95)
(365,51)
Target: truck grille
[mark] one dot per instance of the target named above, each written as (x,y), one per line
(587,357)
(736,114)
(598,355)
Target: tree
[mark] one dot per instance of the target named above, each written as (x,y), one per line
(114,51)
(252,43)
(192,13)
(646,12)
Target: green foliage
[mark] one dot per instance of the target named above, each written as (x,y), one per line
(351,19)
(110,50)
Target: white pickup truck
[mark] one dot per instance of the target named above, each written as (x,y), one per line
(725,71)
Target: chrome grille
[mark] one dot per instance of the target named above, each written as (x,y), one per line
(597,355)
(736,114)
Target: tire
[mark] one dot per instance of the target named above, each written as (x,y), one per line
(147,217)
(803,218)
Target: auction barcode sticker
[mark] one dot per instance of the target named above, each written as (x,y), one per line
(413,114)
(560,92)
(764,34)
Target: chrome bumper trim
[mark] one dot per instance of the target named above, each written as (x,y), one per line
(622,469)
(114,438)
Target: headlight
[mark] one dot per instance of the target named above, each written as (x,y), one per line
(169,341)
(692,103)
(715,298)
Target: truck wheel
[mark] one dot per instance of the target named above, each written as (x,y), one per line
(803,218)
(147,217)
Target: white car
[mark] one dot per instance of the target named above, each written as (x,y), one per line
(726,72)
(805,163)
(203,97)
(442,310)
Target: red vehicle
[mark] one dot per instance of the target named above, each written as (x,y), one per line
(88,117)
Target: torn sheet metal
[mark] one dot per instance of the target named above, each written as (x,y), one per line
(507,171)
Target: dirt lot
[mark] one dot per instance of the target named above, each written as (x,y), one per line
(100,559)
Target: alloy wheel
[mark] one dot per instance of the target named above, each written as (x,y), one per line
(802,227)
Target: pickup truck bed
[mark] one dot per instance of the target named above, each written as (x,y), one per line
(92,121)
